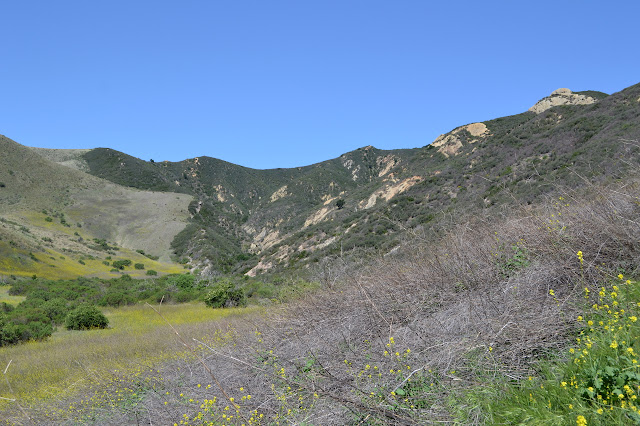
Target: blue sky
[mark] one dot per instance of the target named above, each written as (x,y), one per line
(276,83)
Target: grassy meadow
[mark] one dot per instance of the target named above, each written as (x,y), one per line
(7,298)
(76,373)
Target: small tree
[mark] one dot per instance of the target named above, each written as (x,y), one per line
(340,204)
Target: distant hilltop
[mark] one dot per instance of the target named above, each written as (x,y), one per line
(565,96)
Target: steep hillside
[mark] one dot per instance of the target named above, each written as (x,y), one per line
(253,221)
(57,221)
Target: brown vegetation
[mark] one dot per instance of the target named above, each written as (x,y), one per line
(401,340)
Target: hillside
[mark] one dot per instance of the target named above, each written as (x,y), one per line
(60,222)
(254,221)
(490,277)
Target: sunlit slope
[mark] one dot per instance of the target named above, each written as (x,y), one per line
(52,215)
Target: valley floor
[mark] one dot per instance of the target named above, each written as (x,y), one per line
(80,376)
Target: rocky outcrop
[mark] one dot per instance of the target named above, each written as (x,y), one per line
(451,143)
(561,97)
(389,191)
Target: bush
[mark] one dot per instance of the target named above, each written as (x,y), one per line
(86,317)
(184,281)
(120,264)
(139,266)
(183,296)
(225,294)
(116,298)
(56,309)
(152,272)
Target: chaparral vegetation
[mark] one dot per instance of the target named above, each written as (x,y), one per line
(488,278)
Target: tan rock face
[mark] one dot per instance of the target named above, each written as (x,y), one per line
(389,191)
(561,97)
(477,129)
(220,193)
(386,163)
(318,216)
(280,193)
(451,143)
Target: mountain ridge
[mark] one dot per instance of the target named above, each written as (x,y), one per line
(251,221)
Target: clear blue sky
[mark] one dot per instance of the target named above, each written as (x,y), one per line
(279,83)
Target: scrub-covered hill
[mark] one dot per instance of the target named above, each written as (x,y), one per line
(253,221)
(60,222)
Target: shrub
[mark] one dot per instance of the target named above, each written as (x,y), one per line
(152,272)
(183,296)
(116,298)
(85,317)
(184,281)
(120,264)
(56,309)
(139,266)
(225,294)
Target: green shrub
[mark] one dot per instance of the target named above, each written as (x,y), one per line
(225,294)
(121,264)
(152,272)
(139,266)
(116,298)
(85,317)
(183,296)
(184,281)
(56,309)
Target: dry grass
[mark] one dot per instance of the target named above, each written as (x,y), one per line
(400,340)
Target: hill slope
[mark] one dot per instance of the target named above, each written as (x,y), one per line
(51,215)
(252,221)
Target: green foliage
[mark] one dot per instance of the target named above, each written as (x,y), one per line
(597,380)
(139,266)
(56,309)
(151,272)
(121,264)
(102,244)
(225,294)
(85,317)
(511,261)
